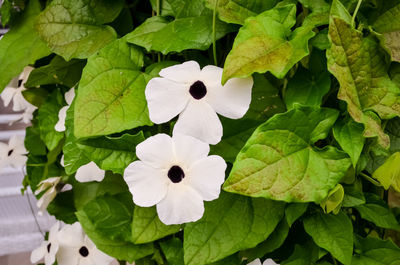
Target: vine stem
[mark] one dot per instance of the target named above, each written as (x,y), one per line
(376,183)
(355,12)
(214,33)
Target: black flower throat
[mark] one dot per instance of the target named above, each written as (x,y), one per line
(10,152)
(198,90)
(176,174)
(84,251)
(48,247)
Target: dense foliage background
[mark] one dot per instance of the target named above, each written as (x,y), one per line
(313,175)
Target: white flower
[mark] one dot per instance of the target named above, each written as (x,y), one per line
(14,91)
(266,262)
(77,249)
(197,95)
(69,97)
(50,187)
(176,175)
(13,153)
(48,248)
(27,115)
(89,172)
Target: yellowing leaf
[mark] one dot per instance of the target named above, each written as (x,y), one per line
(360,67)
(266,43)
(389,173)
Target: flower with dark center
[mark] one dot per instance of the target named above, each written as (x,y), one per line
(177,177)
(196,95)
(77,248)
(13,154)
(49,248)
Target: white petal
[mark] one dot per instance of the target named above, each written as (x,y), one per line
(25,74)
(3,151)
(200,121)
(67,256)
(269,262)
(49,259)
(62,114)
(188,149)
(147,185)
(16,143)
(46,199)
(100,258)
(38,253)
(187,72)
(207,175)
(18,161)
(233,99)
(7,95)
(156,151)
(89,172)
(54,231)
(165,99)
(19,102)
(181,205)
(71,235)
(255,262)
(211,75)
(69,96)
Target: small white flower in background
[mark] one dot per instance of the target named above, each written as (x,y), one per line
(197,95)
(14,153)
(13,92)
(62,114)
(49,186)
(75,248)
(48,249)
(89,172)
(266,262)
(176,174)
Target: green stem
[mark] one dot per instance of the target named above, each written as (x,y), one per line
(215,33)
(355,12)
(376,183)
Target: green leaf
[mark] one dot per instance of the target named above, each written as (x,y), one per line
(20,46)
(32,141)
(111,216)
(333,202)
(62,207)
(116,248)
(307,88)
(173,251)
(305,254)
(280,161)
(112,153)
(73,155)
(74,29)
(321,41)
(111,96)
(360,67)
(388,24)
(273,242)
(236,11)
(353,195)
(265,43)
(48,117)
(333,233)
(9,8)
(57,72)
(294,211)
(349,135)
(389,173)
(320,12)
(375,251)
(84,193)
(376,211)
(240,221)
(191,29)
(147,227)
(264,104)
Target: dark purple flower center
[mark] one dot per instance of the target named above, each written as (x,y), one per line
(10,152)
(48,247)
(198,90)
(20,82)
(84,251)
(176,174)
